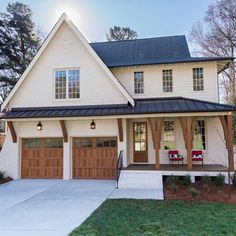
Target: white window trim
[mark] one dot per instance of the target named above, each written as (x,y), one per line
(163,141)
(138,94)
(203,80)
(206,139)
(172,74)
(67,87)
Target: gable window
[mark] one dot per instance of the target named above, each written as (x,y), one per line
(199,142)
(169,135)
(167,81)
(67,84)
(138,82)
(198,79)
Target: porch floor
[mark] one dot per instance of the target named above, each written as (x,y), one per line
(178,167)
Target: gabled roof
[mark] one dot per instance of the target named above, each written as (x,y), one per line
(142,106)
(63,19)
(170,49)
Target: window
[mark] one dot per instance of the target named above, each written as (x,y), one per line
(199,142)
(169,135)
(138,82)
(167,81)
(2,126)
(82,142)
(140,136)
(106,142)
(198,79)
(67,84)
(53,143)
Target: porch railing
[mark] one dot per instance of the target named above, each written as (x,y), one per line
(119,166)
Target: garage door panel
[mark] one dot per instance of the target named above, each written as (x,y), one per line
(42,158)
(94,158)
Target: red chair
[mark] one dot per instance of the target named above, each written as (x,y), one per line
(175,156)
(197,155)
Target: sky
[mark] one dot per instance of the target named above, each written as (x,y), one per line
(149,18)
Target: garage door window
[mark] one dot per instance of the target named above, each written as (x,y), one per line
(83,143)
(105,142)
(31,143)
(53,143)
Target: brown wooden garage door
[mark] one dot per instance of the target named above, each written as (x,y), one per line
(42,158)
(94,158)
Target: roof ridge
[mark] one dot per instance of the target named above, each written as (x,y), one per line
(139,39)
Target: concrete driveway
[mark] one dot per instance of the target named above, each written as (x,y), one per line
(49,207)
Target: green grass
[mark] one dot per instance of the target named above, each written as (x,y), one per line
(150,217)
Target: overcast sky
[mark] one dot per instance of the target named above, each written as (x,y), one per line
(150,18)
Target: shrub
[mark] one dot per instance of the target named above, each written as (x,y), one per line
(234,179)
(2,175)
(187,180)
(193,192)
(174,188)
(172,180)
(220,180)
(206,179)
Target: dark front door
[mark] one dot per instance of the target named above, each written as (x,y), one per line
(140,142)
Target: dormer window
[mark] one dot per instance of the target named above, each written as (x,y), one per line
(138,82)
(67,83)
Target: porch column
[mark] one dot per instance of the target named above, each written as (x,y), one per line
(226,121)
(156,125)
(188,125)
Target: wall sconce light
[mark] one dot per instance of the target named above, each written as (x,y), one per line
(39,126)
(92,125)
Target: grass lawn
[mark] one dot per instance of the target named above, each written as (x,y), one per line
(150,217)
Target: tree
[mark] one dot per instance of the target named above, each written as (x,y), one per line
(121,33)
(218,38)
(18,44)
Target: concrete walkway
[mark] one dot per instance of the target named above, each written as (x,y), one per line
(49,207)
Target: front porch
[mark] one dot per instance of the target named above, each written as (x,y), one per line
(177,167)
(146,147)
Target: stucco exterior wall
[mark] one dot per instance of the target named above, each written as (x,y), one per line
(66,51)
(182,80)
(10,156)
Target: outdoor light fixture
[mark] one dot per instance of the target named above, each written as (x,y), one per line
(39,126)
(92,125)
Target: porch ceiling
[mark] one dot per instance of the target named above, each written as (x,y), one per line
(142,106)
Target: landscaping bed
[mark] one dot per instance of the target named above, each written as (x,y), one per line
(152,217)
(210,190)
(3,178)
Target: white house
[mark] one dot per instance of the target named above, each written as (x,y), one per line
(79,105)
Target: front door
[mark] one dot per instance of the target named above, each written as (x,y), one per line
(140,142)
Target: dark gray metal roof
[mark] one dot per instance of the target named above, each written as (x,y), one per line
(142,106)
(170,49)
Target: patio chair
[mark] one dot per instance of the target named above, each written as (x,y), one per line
(197,155)
(175,156)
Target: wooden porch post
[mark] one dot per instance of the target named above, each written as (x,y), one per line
(188,125)
(12,130)
(64,131)
(120,129)
(156,125)
(226,121)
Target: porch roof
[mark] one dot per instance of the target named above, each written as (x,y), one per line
(142,106)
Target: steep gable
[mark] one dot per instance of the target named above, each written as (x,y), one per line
(64,48)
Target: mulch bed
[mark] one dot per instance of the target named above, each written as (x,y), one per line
(5,180)
(225,194)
